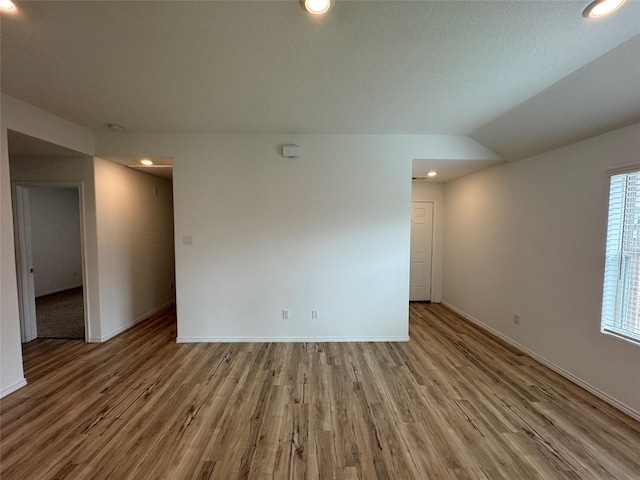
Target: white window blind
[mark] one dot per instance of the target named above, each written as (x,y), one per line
(621,293)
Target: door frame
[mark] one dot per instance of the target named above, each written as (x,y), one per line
(432,242)
(24,261)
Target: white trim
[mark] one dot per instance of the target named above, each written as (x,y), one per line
(27,311)
(12,388)
(634,167)
(133,323)
(58,290)
(622,335)
(569,376)
(288,339)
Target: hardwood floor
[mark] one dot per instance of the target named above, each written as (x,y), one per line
(453,403)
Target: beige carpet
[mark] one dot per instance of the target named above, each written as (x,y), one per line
(61,315)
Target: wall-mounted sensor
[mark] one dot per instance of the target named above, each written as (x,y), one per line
(291,151)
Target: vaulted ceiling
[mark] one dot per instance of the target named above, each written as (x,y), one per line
(518,76)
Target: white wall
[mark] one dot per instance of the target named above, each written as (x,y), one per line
(11,371)
(327,231)
(529,238)
(55,239)
(425,191)
(136,251)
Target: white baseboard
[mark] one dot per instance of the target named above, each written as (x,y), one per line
(126,327)
(57,290)
(12,388)
(569,376)
(287,339)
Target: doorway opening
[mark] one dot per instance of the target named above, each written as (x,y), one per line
(56,258)
(49,260)
(49,241)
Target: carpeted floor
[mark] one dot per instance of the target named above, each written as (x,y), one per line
(61,315)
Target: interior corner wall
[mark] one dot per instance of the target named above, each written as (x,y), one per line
(425,191)
(529,238)
(136,250)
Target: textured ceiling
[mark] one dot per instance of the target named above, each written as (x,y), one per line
(368,67)
(599,97)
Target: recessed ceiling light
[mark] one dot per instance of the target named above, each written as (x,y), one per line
(599,8)
(146,161)
(432,173)
(317,7)
(7,5)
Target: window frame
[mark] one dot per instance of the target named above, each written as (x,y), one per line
(615,291)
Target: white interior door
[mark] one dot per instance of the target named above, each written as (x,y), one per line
(421,251)
(24,267)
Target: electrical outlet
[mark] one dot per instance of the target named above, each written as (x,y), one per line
(516,319)
(315,314)
(286,314)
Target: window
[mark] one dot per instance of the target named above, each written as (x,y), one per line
(621,293)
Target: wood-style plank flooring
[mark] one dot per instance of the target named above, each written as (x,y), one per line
(453,403)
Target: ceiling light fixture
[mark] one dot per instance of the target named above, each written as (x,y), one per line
(599,8)
(146,161)
(115,127)
(431,174)
(317,7)
(7,5)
